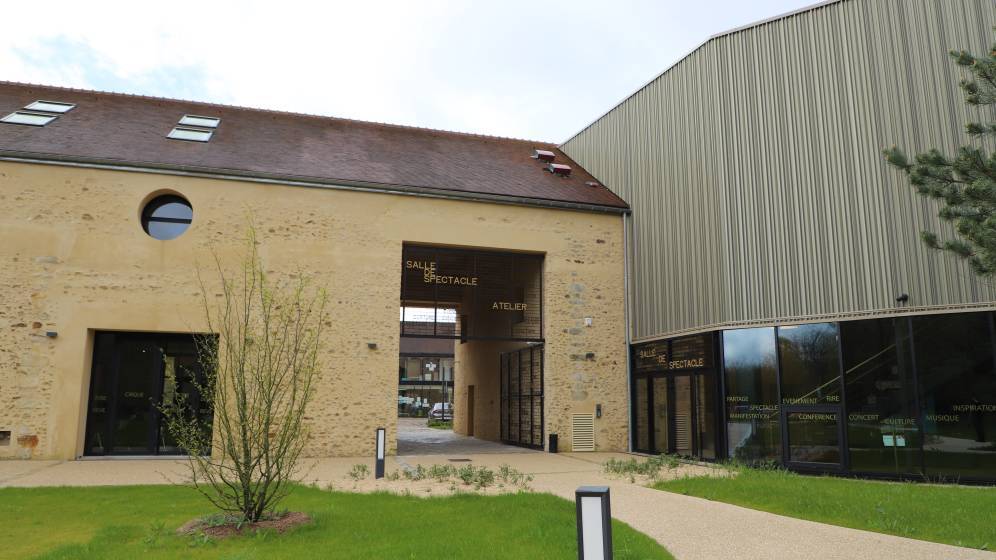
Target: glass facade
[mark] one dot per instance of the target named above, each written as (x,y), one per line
(753,426)
(131,375)
(675,399)
(810,363)
(893,397)
(882,427)
(954,364)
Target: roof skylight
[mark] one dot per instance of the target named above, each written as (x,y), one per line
(191,134)
(39,113)
(203,122)
(194,128)
(30,119)
(51,106)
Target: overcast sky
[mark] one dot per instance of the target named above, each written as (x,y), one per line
(539,70)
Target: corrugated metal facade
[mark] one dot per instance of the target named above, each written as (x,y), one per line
(755,173)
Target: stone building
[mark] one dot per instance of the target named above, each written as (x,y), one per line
(109,205)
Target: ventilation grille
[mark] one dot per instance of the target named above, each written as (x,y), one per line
(583,432)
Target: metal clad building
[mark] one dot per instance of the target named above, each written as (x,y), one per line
(754,168)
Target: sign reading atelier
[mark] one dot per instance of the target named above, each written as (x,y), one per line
(691,352)
(471,294)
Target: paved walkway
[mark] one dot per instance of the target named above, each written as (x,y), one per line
(415,437)
(691,528)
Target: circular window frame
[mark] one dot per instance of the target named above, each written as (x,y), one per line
(157,200)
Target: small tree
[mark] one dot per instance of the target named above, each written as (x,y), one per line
(966,183)
(258,367)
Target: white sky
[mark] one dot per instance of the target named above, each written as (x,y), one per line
(537,70)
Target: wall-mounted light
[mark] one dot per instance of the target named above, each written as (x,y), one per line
(902,298)
(379,465)
(598,411)
(372,345)
(594,522)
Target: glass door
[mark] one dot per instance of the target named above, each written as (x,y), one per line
(684,439)
(131,374)
(135,425)
(661,416)
(641,415)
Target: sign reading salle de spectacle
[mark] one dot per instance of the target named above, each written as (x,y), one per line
(431,276)
(693,352)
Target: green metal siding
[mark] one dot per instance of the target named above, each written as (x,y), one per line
(754,172)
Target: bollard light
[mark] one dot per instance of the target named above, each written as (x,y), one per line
(379,466)
(594,523)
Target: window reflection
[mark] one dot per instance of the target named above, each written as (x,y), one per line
(810,363)
(954,360)
(753,429)
(424,381)
(813,437)
(882,430)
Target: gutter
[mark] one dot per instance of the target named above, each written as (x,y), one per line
(299,181)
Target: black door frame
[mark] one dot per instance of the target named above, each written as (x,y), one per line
(155,428)
(668,378)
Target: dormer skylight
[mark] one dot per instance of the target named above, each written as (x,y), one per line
(194,128)
(39,113)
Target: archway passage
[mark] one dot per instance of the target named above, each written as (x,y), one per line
(483,305)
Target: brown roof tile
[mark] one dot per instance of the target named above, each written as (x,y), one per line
(131,130)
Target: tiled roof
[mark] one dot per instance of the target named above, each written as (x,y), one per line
(128,130)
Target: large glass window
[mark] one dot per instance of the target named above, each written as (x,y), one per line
(810,363)
(813,436)
(753,429)
(955,368)
(132,374)
(882,429)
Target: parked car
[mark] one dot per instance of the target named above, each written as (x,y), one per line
(441,411)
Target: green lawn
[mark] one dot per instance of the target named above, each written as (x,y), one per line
(958,515)
(128,522)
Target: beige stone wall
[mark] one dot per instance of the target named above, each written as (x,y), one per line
(74,259)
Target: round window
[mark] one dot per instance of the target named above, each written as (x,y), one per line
(167,217)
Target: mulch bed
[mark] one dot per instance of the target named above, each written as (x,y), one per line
(280,525)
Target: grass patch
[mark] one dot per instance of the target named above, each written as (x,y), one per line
(127,522)
(441,424)
(958,515)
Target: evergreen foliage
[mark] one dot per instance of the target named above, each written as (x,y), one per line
(965,184)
